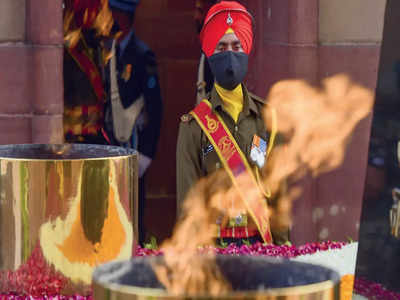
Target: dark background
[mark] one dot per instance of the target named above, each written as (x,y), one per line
(379,252)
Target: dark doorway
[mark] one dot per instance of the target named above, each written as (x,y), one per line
(379,248)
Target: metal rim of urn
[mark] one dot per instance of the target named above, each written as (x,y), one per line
(108,152)
(326,289)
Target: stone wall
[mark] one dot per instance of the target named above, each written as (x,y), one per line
(31,88)
(294,39)
(313,40)
(168,28)
(309,39)
(350,35)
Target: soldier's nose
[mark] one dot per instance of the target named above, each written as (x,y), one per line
(229,72)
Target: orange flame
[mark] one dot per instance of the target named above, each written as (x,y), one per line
(183,271)
(316,125)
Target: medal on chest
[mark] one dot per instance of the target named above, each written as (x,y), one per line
(126,74)
(258,151)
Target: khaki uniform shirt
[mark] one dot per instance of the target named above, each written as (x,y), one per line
(195,156)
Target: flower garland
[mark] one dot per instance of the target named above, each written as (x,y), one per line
(34,277)
(361,286)
(258,249)
(374,291)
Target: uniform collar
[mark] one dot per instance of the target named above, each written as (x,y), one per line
(124,43)
(248,102)
(126,47)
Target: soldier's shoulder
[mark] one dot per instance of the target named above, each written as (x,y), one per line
(188,125)
(186,118)
(256,98)
(144,52)
(147,57)
(141,47)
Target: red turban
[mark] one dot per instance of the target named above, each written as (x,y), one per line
(220,17)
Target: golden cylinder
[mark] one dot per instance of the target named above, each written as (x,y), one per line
(251,277)
(64,209)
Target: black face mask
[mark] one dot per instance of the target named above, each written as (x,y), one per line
(229,68)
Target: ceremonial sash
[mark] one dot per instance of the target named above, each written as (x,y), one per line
(124,119)
(87,65)
(233,160)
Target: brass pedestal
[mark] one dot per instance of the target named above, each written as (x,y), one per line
(250,277)
(64,209)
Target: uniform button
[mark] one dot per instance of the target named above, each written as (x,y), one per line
(218,165)
(236,128)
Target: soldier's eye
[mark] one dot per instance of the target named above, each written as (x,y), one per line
(237,47)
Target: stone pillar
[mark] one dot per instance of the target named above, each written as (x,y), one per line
(350,34)
(286,39)
(286,46)
(311,40)
(31,85)
(15,109)
(45,35)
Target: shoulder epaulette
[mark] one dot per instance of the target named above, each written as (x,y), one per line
(186,118)
(256,98)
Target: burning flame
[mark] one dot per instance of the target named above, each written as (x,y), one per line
(316,125)
(183,271)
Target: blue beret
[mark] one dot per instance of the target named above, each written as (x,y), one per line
(125,5)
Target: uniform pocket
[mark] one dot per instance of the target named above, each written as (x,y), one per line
(210,159)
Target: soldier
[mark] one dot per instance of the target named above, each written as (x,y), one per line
(226,129)
(84,93)
(134,106)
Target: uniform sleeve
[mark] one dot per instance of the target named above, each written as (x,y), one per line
(280,229)
(149,136)
(188,166)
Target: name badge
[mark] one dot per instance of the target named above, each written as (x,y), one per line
(258,151)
